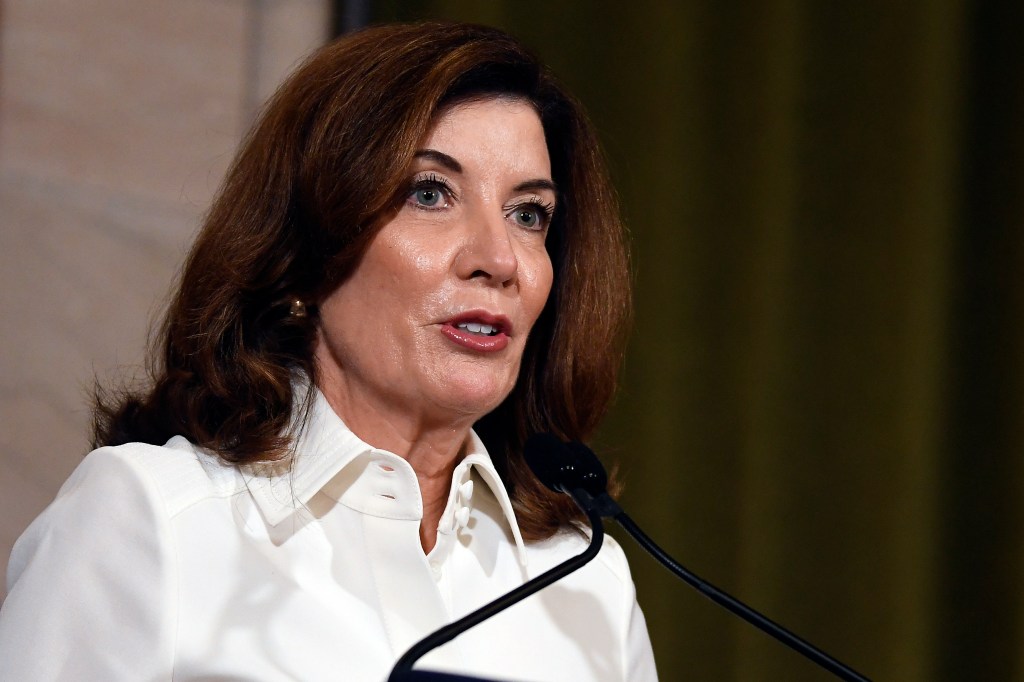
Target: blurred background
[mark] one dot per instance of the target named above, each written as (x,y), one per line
(822,407)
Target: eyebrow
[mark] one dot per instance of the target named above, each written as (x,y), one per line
(439,157)
(535,185)
(451,164)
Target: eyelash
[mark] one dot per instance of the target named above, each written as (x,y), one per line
(432,181)
(545,209)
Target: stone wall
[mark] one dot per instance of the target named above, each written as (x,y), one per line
(117,121)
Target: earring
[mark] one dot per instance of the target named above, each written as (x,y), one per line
(298,308)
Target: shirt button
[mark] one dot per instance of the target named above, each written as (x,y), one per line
(462,517)
(436,570)
(466,491)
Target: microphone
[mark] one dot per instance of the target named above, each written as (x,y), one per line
(592,507)
(573,468)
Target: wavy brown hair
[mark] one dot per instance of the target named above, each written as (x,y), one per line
(316,176)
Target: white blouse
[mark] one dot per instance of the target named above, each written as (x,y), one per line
(161,563)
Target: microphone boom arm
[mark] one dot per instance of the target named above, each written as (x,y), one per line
(758,620)
(455,628)
(573,468)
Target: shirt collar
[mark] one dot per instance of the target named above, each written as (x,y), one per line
(324,446)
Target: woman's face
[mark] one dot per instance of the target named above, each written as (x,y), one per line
(431,324)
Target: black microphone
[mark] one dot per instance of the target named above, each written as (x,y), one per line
(403,672)
(573,466)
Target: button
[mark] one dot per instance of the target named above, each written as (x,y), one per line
(436,570)
(466,491)
(462,517)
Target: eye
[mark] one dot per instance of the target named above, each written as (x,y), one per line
(527,217)
(427,196)
(531,215)
(430,193)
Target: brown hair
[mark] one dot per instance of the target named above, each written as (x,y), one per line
(313,180)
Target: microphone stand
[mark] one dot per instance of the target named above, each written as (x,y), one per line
(570,467)
(755,618)
(403,672)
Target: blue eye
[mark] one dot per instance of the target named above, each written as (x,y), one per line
(427,196)
(527,217)
(531,215)
(431,193)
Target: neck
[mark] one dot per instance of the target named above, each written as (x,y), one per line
(433,448)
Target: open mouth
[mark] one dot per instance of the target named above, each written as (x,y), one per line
(478,328)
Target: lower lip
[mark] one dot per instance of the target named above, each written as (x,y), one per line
(477,342)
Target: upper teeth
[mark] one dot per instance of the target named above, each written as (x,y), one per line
(476,328)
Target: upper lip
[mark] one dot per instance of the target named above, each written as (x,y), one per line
(500,322)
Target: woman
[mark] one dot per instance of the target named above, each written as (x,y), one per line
(414,263)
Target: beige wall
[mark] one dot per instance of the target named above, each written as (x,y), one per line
(117,120)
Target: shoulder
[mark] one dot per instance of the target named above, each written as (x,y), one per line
(175,475)
(611,560)
(131,490)
(104,545)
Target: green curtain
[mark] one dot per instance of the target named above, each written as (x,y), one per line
(823,403)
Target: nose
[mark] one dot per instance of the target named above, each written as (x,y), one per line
(488,252)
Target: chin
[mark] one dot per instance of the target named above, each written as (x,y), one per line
(476,396)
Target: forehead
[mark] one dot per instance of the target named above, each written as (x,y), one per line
(484,131)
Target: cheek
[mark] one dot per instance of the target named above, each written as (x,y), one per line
(536,283)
